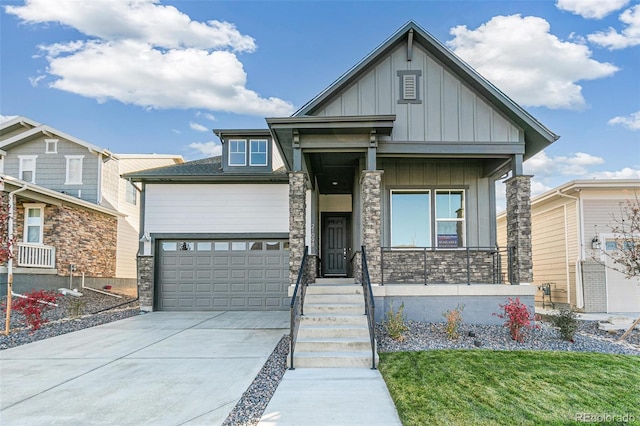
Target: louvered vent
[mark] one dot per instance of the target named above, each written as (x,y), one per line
(409,86)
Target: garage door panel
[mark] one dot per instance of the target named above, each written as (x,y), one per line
(238,287)
(204,274)
(256,288)
(239,274)
(238,302)
(204,288)
(203,302)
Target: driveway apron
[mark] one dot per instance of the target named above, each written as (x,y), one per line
(159,368)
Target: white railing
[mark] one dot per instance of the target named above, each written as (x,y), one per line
(36,256)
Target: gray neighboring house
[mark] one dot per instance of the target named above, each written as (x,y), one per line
(399,156)
(74,215)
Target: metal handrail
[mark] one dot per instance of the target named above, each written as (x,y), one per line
(297,304)
(369,306)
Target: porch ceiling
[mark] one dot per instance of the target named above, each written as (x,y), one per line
(335,172)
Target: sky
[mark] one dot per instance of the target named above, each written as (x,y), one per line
(151,76)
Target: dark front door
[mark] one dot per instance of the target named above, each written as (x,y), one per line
(335,244)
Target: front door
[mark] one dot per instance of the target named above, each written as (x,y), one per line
(335,244)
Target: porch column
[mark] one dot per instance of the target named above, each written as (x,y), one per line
(519,227)
(370,184)
(297,222)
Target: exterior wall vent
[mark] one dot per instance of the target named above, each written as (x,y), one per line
(409,87)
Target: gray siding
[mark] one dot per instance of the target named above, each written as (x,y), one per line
(51,168)
(450,111)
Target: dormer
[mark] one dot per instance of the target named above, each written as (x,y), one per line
(248,151)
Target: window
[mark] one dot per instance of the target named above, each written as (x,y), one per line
(414,216)
(33,220)
(131,194)
(409,87)
(27,170)
(258,153)
(237,152)
(51,146)
(74,169)
(1,163)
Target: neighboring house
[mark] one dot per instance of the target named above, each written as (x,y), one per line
(400,156)
(74,213)
(572,231)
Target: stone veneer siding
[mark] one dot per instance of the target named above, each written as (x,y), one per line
(371,193)
(440,267)
(145,283)
(595,289)
(297,221)
(80,236)
(519,227)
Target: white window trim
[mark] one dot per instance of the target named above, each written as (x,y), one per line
(32,206)
(454,220)
(1,163)
(47,143)
(266,153)
(244,142)
(21,168)
(130,188)
(69,158)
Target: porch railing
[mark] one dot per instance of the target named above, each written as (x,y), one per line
(369,306)
(429,265)
(36,256)
(297,304)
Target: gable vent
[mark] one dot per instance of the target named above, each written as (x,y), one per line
(409,86)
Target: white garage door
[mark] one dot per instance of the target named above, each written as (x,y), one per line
(623,295)
(203,275)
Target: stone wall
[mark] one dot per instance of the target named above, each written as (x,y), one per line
(439,267)
(145,283)
(519,227)
(85,238)
(370,184)
(595,289)
(297,222)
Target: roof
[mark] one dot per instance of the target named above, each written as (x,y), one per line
(537,136)
(202,170)
(50,196)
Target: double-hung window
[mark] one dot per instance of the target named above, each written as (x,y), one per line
(131,194)
(74,169)
(33,223)
(27,169)
(427,218)
(258,153)
(237,152)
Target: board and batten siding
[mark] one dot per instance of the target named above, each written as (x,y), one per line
(450,111)
(443,174)
(51,168)
(216,208)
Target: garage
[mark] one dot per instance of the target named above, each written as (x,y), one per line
(210,275)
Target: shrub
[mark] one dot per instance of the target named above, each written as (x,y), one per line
(395,323)
(34,305)
(518,318)
(454,321)
(567,321)
(76,307)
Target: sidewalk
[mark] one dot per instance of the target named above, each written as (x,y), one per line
(331,396)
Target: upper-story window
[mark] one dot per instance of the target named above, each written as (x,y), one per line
(131,195)
(27,169)
(33,221)
(74,169)
(51,146)
(258,153)
(237,152)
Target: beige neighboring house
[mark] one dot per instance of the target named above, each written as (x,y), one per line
(72,207)
(571,234)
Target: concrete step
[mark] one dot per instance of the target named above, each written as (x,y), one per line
(332,319)
(334,281)
(334,298)
(332,359)
(312,332)
(334,308)
(333,344)
(333,289)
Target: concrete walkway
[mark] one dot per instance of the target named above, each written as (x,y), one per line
(155,369)
(331,396)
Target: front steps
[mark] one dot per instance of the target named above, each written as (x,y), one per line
(333,331)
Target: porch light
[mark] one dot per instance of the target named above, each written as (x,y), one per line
(595,243)
(334,183)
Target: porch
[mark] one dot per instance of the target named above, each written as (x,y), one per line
(36,256)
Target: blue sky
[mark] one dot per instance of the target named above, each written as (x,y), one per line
(156,76)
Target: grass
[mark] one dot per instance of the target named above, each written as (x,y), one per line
(482,387)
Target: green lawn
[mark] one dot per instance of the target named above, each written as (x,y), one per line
(482,387)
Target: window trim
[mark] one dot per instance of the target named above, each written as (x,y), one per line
(451,220)
(68,181)
(25,234)
(55,146)
(244,152)
(266,152)
(130,188)
(21,168)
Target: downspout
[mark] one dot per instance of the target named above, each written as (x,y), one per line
(579,290)
(10,260)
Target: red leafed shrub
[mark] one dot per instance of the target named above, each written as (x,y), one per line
(518,318)
(34,305)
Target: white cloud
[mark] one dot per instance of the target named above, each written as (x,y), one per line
(210,149)
(197,127)
(206,115)
(149,55)
(625,173)
(34,81)
(5,118)
(531,65)
(630,36)
(542,166)
(591,9)
(631,122)
(176,131)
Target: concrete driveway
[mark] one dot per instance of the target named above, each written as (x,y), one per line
(160,368)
